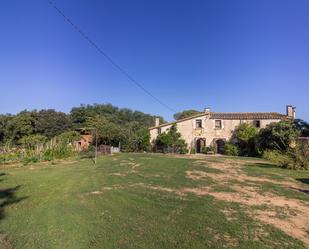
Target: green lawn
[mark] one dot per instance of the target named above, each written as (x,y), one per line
(144,201)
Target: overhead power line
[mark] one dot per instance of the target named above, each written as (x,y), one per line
(116,65)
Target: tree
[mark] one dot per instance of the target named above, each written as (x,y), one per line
(114,124)
(171,141)
(137,140)
(51,123)
(20,125)
(278,136)
(68,137)
(302,126)
(245,136)
(124,116)
(4,120)
(185,114)
(108,132)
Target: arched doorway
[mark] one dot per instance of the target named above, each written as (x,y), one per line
(200,144)
(220,146)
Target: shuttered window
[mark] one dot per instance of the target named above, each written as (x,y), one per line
(198,123)
(218,124)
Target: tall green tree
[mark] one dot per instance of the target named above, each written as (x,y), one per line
(302,126)
(4,120)
(278,136)
(245,136)
(51,123)
(171,141)
(108,133)
(185,114)
(20,125)
(118,116)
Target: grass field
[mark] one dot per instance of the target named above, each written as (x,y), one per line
(154,201)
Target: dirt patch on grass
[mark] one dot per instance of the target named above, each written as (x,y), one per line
(196,174)
(118,174)
(5,242)
(295,225)
(288,215)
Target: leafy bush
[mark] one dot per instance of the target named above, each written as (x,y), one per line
(205,150)
(296,158)
(171,141)
(245,136)
(193,151)
(30,159)
(32,141)
(300,157)
(9,157)
(208,149)
(278,158)
(68,137)
(231,149)
(34,150)
(277,136)
(58,152)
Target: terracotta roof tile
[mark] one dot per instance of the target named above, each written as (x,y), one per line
(246,115)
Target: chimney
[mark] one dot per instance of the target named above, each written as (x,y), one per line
(207,110)
(290,111)
(157,121)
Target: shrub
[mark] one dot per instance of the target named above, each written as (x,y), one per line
(205,150)
(300,157)
(68,137)
(193,151)
(10,157)
(209,149)
(245,136)
(183,150)
(296,158)
(171,142)
(32,141)
(278,158)
(30,159)
(277,136)
(231,149)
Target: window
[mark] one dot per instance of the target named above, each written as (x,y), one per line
(218,124)
(198,123)
(257,123)
(159,131)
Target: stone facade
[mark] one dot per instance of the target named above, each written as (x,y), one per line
(214,129)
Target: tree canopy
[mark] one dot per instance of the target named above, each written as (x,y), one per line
(171,141)
(278,136)
(302,126)
(113,124)
(185,114)
(245,136)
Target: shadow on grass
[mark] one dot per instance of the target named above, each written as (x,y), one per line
(264,165)
(305,191)
(8,197)
(2,174)
(303,180)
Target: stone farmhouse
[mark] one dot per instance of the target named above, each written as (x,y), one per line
(216,128)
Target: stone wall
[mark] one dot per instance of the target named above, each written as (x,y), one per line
(208,131)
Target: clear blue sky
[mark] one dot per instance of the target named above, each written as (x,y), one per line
(250,55)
